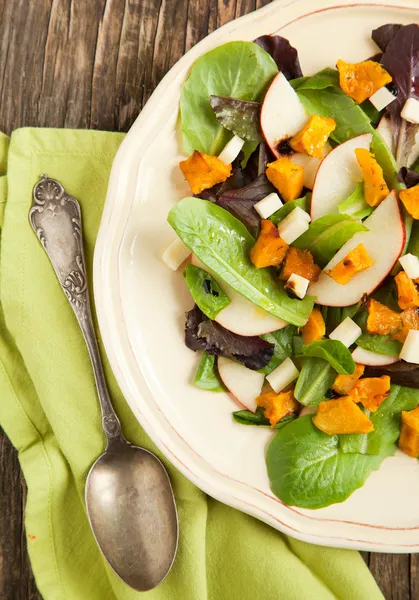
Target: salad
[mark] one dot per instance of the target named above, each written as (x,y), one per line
(299,244)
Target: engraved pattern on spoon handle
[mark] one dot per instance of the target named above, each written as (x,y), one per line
(56,219)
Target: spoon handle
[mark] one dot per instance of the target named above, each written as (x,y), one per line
(56,219)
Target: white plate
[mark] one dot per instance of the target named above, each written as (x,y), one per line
(141,304)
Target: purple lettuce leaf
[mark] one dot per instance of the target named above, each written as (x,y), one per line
(383,35)
(203,334)
(240,202)
(242,117)
(408,176)
(285,55)
(237,179)
(401,60)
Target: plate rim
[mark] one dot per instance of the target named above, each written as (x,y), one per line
(108,301)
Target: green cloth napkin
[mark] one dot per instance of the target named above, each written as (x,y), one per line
(49,410)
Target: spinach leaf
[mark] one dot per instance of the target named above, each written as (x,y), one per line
(326,236)
(323,79)
(223,244)
(386,421)
(207,377)
(372,113)
(239,70)
(307,467)
(246,417)
(334,352)
(205,291)
(314,380)
(355,206)
(242,117)
(303,203)
(282,341)
(285,56)
(381,344)
(297,345)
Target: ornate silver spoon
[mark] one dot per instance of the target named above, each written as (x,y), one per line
(129,498)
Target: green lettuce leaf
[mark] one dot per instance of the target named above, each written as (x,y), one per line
(205,291)
(355,206)
(307,468)
(386,420)
(282,341)
(223,244)
(326,236)
(207,377)
(303,203)
(334,352)
(240,70)
(316,377)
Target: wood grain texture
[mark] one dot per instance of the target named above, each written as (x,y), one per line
(94,64)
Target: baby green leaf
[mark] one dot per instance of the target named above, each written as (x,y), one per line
(334,352)
(239,70)
(326,236)
(316,377)
(207,377)
(282,341)
(355,206)
(223,244)
(205,291)
(288,207)
(307,468)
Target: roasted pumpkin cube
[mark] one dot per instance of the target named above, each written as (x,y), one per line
(355,261)
(341,416)
(315,327)
(344,384)
(278,406)
(381,319)
(313,136)
(410,320)
(409,433)
(300,262)
(287,177)
(269,249)
(407,294)
(361,80)
(203,171)
(410,199)
(371,391)
(375,187)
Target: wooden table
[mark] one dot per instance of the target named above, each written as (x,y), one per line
(93,64)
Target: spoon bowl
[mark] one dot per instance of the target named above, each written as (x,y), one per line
(132,513)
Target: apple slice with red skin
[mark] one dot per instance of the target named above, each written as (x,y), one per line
(337,176)
(282,115)
(243,383)
(242,316)
(372,359)
(384,242)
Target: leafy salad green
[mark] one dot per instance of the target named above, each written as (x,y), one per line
(299,212)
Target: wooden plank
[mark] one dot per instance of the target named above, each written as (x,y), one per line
(392,573)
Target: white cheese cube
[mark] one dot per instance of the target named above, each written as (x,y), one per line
(231,150)
(297,285)
(347,332)
(382,98)
(410,350)
(283,375)
(410,264)
(175,254)
(410,111)
(294,225)
(268,205)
